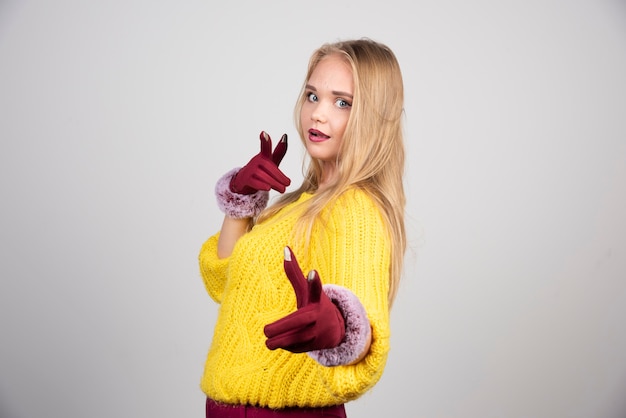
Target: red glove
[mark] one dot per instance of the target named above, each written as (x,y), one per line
(261,172)
(316,324)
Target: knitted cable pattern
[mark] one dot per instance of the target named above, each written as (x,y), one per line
(350,249)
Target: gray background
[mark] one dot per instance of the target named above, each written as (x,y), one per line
(117,117)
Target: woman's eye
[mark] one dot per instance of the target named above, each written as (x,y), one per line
(311,97)
(342,103)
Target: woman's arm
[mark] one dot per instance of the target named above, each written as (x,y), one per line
(232,230)
(243,193)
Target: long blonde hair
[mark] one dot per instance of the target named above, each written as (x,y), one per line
(372,149)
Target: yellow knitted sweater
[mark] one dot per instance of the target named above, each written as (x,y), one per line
(352,250)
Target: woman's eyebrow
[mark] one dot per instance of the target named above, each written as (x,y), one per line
(335,92)
(342,93)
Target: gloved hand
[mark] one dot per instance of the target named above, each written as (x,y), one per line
(261,172)
(316,324)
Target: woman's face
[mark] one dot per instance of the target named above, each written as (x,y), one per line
(326,109)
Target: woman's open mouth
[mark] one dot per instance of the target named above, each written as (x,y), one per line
(317,136)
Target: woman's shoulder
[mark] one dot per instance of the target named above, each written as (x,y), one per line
(356,201)
(357,196)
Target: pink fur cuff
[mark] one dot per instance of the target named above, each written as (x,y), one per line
(357,329)
(235,205)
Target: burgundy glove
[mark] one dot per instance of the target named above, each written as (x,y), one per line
(261,172)
(317,323)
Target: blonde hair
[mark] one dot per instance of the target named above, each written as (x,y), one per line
(372,149)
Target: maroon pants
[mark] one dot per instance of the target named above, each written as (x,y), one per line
(218,410)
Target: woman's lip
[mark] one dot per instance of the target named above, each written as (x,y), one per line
(317,136)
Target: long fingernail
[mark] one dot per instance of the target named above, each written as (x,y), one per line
(311,275)
(287,254)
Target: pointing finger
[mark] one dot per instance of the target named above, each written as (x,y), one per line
(280,150)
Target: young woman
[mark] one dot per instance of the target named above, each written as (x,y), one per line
(305,285)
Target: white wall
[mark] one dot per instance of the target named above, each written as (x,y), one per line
(117,117)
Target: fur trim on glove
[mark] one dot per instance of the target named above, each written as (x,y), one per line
(235,205)
(358,329)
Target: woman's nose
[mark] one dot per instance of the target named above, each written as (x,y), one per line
(318,114)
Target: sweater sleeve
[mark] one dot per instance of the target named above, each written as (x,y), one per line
(353,251)
(212,268)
